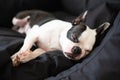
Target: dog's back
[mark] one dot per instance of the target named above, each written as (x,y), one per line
(32,17)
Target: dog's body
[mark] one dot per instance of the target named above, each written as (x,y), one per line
(75,39)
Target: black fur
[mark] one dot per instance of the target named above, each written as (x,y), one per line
(75,32)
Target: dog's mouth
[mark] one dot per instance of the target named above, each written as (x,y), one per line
(75,56)
(72,56)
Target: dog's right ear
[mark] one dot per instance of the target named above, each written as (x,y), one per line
(80,18)
(102,28)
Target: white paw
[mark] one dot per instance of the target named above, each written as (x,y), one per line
(16,59)
(19,57)
(27,56)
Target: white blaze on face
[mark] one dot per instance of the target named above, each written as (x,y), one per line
(65,43)
(87,41)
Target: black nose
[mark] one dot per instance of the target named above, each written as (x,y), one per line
(76,50)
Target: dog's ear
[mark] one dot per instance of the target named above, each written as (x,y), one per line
(20,22)
(80,18)
(102,28)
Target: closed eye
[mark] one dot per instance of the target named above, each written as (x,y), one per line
(74,38)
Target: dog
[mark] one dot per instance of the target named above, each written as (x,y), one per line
(75,39)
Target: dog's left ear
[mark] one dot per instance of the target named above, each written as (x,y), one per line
(80,18)
(102,28)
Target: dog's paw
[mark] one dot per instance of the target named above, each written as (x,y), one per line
(27,56)
(15,60)
(21,57)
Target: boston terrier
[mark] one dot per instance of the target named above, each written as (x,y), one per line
(75,38)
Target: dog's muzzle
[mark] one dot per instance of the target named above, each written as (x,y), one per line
(75,51)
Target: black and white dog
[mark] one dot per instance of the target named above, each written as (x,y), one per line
(75,39)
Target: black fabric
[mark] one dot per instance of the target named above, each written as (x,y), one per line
(8,9)
(101,64)
(78,6)
(8,41)
(46,65)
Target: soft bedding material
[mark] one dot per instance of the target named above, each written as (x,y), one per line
(102,64)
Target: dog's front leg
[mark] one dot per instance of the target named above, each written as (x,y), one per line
(29,55)
(30,39)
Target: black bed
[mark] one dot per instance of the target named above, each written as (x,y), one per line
(102,64)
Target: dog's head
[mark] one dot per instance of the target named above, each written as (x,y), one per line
(79,40)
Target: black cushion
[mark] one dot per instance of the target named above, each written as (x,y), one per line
(101,64)
(78,6)
(8,9)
